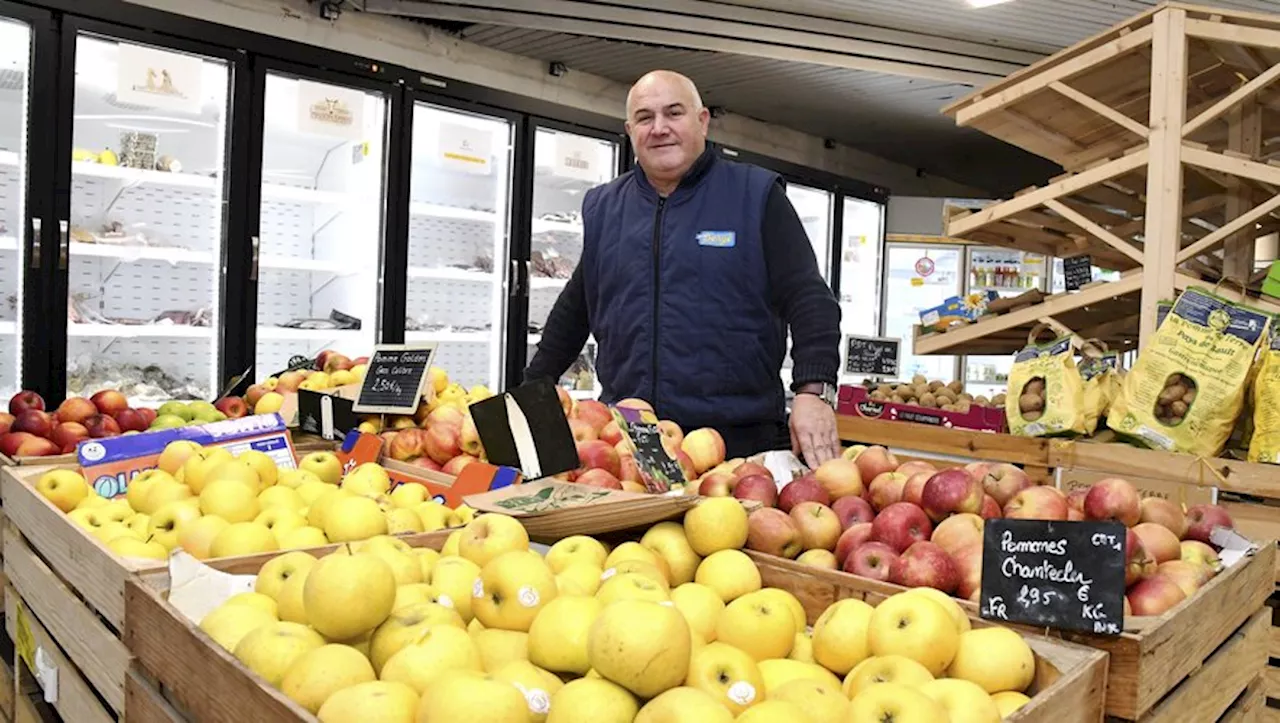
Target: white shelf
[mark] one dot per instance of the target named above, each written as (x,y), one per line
(8,243)
(8,158)
(544,282)
(441,337)
(569,227)
(140,253)
(289,263)
(141,176)
(435,210)
(451,274)
(280,333)
(296,194)
(8,328)
(150,331)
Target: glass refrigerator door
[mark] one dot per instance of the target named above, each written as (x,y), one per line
(146,230)
(320,221)
(15,67)
(566,165)
(860,265)
(460,186)
(908,291)
(814,208)
(1008,273)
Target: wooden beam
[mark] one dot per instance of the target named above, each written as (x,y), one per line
(1094,229)
(1101,109)
(1063,71)
(1243,168)
(1082,180)
(1270,306)
(1237,96)
(1164,172)
(1244,136)
(1236,34)
(1239,223)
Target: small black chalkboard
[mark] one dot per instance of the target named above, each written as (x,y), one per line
(395,378)
(657,468)
(1077,271)
(525,428)
(872,356)
(1065,575)
(326,415)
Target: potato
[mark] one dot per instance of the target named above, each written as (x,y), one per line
(897,399)
(963,406)
(1170,393)
(980,399)
(948,408)
(928,400)
(1030,403)
(935,385)
(1035,386)
(876,396)
(920,390)
(884,389)
(1032,416)
(1190,397)
(966,397)
(919,379)
(998,400)
(957,386)
(1178,408)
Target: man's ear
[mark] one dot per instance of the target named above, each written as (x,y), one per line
(704,119)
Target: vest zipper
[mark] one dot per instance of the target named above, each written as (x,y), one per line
(657,285)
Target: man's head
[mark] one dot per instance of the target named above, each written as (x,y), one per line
(667,125)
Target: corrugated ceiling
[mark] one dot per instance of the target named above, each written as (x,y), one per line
(894,117)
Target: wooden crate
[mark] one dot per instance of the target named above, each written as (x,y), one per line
(76,699)
(213,686)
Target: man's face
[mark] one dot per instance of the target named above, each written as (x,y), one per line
(667,127)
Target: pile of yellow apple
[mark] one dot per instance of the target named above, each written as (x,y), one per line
(674,628)
(213,504)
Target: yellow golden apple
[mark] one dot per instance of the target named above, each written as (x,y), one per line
(228,624)
(141,484)
(576,549)
(635,552)
(319,673)
(730,573)
(273,575)
(840,636)
(165,525)
(437,650)
(779,672)
(683,705)
(579,578)
(512,589)
(897,703)
(268,473)
(373,702)
(591,700)
(489,536)
(498,647)
(175,455)
(914,626)
(668,540)
(774,711)
(715,524)
(197,536)
(1008,702)
(802,649)
(948,603)
(232,500)
(701,607)
(324,465)
(255,599)
(346,596)
(727,674)
(457,695)
(558,635)
(272,649)
(302,537)
(963,701)
(454,578)
(243,538)
(758,626)
(405,627)
(885,669)
(368,480)
(820,703)
(135,548)
(996,659)
(295,478)
(281,497)
(640,645)
(535,684)
(353,518)
(408,496)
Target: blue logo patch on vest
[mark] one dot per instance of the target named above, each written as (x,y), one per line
(717,239)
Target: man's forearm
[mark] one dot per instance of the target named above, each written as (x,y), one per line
(564,334)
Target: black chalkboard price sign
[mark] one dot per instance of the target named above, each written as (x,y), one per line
(1064,575)
(394,382)
(872,356)
(1076,272)
(657,468)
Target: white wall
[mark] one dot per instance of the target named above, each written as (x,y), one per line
(412,45)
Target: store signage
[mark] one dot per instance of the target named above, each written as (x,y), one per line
(466,148)
(330,110)
(159,79)
(658,469)
(1064,575)
(1077,271)
(872,356)
(325,415)
(525,428)
(578,157)
(925,266)
(394,381)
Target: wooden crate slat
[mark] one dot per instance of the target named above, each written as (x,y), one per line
(1212,688)
(926,438)
(144,704)
(1248,708)
(76,701)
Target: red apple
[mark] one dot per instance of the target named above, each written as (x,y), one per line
(629,469)
(757,487)
(672,435)
(875,460)
(949,491)
(1166,513)
(11,441)
(336,362)
(75,409)
(958,531)
(900,525)
(443,442)
(593,413)
(455,465)
(68,433)
(913,490)
(852,510)
(323,357)
(840,478)
(924,564)
(131,420)
(1075,498)
(1113,499)
(968,560)
(566,401)
(1154,596)
(598,454)
(886,489)
(1193,551)
(851,539)
(1003,481)
(101,425)
(819,528)
(979,469)
(34,446)
(34,421)
(852,451)
(747,469)
(990,508)
(686,464)
(1138,562)
(598,477)
(583,432)
(717,484)
(6,422)
(1201,519)
(872,560)
(426,463)
(408,444)
(611,433)
(1074,515)
(773,532)
(1158,541)
(449,417)
(289,381)
(915,467)
(1040,502)
(802,489)
(253,394)
(233,407)
(1188,576)
(25,400)
(109,402)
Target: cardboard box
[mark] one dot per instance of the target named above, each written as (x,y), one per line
(475,478)
(856,400)
(956,311)
(1180,492)
(550,509)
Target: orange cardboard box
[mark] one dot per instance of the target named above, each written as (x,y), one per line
(475,478)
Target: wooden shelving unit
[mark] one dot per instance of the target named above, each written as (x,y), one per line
(1166,127)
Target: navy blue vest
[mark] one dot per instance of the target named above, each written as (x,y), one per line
(678,296)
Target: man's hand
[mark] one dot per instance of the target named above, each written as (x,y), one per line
(813,430)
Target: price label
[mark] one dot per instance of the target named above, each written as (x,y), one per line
(875,357)
(658,469)
(1065,575)
(395,378)
(24,641)
(1076,272)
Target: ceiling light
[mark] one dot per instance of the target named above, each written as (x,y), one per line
(985,3)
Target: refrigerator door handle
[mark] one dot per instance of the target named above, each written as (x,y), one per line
(33,244)
(64,244)
(517,279)
(253,266)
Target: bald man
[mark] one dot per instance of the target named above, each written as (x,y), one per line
(693,270)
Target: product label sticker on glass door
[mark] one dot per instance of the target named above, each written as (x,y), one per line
(159,79)
(578,157)
(327,110)
(925,266)
(465,148)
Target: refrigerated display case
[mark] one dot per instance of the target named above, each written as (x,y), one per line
(566,165)
(1057,280)
(861,263)
(920,277)
(813,206)
(15,80)
(1008,273)
(143,243)
(459,239)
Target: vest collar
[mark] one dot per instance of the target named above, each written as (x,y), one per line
(694,175)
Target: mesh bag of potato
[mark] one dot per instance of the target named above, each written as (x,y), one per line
(1188,386)
(1046,393)
(1265,444)
(1101,382)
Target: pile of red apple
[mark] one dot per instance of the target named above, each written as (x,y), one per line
(918,526)
(446,442)
(27,430)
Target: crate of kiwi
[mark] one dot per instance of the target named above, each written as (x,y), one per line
(924,401)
